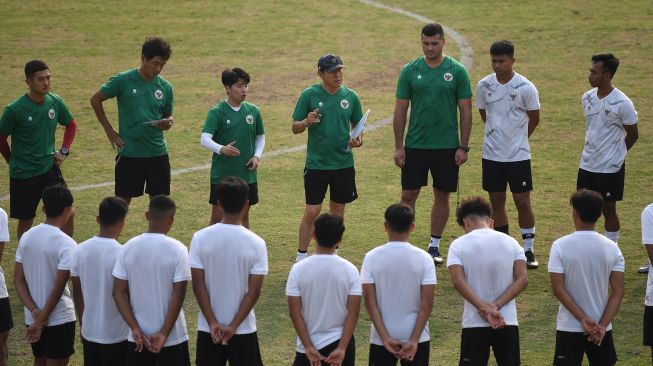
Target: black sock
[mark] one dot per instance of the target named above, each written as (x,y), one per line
(302,251)
(503,229)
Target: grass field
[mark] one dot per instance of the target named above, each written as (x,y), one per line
(279,43)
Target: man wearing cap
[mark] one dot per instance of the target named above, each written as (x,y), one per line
(436,87)
(328,110)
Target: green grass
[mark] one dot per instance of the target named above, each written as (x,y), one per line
(279,43)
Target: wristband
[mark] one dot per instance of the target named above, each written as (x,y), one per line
(464,148)
(65,151)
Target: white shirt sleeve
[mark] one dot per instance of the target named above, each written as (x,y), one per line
(620,264)
(428,276)
(366,275)
(182,272)
(531,98)
(259,145)
(519,251)
(555,262)
(194,257)
(647,225)
(452,256)
(480,102)
(292,287)
(628,113)
(74,270)
(119,270)
(207,142)
(260,266)
(4,226)
(355,287)
(65,256)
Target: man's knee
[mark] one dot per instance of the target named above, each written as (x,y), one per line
(409,196)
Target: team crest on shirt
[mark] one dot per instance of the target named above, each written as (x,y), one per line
(489,94)
(134,91)
(320,104)
(447,76)
(158,94)
(249,119)
(51,113)
(607,112)
(228,122)
(513,96)
(419,77)
(29,119)
(344,104)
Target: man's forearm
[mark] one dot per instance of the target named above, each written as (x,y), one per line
(174,306)
(295,312)
(353,309)
(202,295)
(465,107)
(425,308)
(399,126)
(55,295)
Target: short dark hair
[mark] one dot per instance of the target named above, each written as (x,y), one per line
(112,210)
(399,217)
(161,207)
(34,66)
(55,200)
(501,48)
(433,29)
(588,204)
(232,76)
(328,230)
(232,193)
(156,46)
(609,62)
(473,206)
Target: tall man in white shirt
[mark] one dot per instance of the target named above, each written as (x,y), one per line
(509,106)
(488,268)
(324,294)
(647,240)
(151,274)
(398,282)
(586,308)
(228,263)
(6,320)
(104,332)
(611,123)
(41,273)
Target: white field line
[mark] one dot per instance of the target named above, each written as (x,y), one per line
(466,54)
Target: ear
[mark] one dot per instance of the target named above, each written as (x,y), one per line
(227,89)
(412,227)
(147,215)
(97,219)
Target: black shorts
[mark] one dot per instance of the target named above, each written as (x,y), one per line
(441,163)
(350,354)
(132,174)
(25,194)
(253,194)
(648,326)
(341,181)
(176,355)
(609,185)
(496,175)
(6,320)
(99,354)
(475,346)
(570,347)
(379,356)
(241,350)
(57,342)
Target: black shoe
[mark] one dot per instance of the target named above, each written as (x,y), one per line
(435,254)
(531,262)
(643,269)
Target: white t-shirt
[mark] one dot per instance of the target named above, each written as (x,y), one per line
(4,238)
(586,258)
(488,258)
(647,239)
(93,262)
(605,145)
(506,122)
(228,254)
(324,282)
(151,263)
(43,250)
(398,270)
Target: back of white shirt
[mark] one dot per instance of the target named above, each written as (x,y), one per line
(93,262)
(43,250)
(586,258)
(647,239)
(488,258)
(605,146)
(324,282)
(151,263)
(506,117)
(4,238)
(228,254)
(398,270)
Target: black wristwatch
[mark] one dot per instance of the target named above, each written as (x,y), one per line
(64,150)
(464,148)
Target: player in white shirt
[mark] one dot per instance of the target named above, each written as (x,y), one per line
(151,274)
(647,240)
(611,130)
(228,263)
(509,106)
(324,295)
(582,266)
(42,269)
(104,332)
(6,320)
(488,268)
(398,282)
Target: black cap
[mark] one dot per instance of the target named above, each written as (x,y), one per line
(329,63)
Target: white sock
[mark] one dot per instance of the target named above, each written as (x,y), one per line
(435,241)
(528,234)
(612,235)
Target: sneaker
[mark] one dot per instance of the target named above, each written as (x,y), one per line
(531,262)
(435,254)
(300,256)
(643,269)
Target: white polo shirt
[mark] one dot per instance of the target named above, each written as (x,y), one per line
(228,254)
(324,282)
(605,145)
(647,239)
(43,250)
(151,263)
(398,270)
(4,238)
(488,258)
(586,258)
(93,262)
(506,122)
